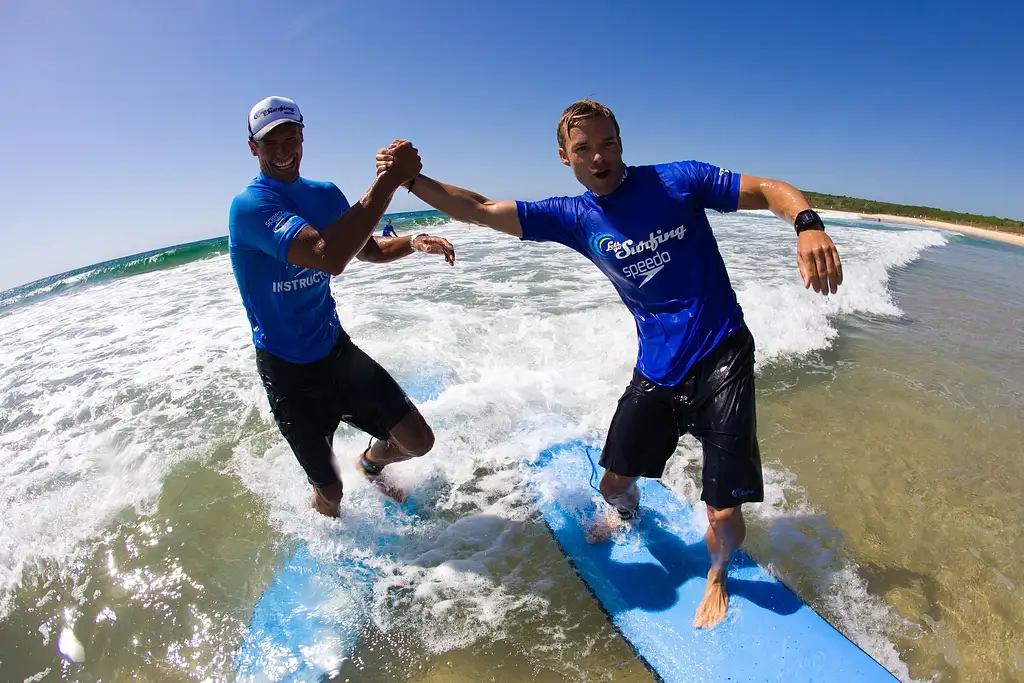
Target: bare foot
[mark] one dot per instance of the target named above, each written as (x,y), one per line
(388,488)
(382,482)
(713,607)
(604,528)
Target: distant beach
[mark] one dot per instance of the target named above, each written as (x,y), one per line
(1002,236)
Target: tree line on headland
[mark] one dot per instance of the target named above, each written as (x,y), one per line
(855,205)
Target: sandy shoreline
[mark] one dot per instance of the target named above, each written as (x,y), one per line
(1007,237)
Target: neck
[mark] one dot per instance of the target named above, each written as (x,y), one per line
(280,179)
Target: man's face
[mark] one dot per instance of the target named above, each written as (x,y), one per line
(594,153)
(280,152)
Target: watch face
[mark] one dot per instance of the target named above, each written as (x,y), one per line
(807,220)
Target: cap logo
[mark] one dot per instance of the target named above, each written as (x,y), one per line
(272,110)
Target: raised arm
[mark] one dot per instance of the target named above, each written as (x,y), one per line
(460,204)
(330,248)
(816,255)
(468,206)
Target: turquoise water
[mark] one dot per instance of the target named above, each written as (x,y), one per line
(169,257)
(147,496)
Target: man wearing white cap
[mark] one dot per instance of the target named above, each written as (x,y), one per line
(287,236)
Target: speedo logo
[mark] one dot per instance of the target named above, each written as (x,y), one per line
(648,267)
(606,246)
(274,219)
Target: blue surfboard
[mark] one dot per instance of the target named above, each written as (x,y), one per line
(288,638)
(650,579)
(307,622)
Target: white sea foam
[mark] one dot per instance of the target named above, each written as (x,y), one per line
(104,389)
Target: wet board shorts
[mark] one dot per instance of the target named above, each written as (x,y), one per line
(714,403)
(309,401)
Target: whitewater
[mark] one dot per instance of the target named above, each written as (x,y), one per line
(135,439)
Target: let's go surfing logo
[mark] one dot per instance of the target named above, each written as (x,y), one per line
(604,245)
(607,247)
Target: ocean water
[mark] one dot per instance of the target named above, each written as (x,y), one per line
(147,497)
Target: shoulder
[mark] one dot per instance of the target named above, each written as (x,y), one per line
(552,214)
(553,219)
(325,187)
(327,190)
(565,206)
(250,200)
(320,185)
(674,170)
(253,208)
(689,174)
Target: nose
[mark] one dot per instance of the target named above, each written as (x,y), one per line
(598,158)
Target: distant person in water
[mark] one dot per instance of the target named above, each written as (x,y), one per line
(389,230)
(645,228)
(287,235)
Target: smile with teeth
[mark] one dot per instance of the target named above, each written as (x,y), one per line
(284,166)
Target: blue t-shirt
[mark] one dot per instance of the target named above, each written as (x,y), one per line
(388,231)
(652,239)
(290,308)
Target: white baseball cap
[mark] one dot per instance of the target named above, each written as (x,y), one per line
(270,113)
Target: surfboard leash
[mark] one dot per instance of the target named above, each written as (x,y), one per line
(593,472)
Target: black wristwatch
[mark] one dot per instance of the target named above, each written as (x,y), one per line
(808,220)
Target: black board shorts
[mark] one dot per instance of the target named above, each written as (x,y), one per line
(715,403)
(309,401)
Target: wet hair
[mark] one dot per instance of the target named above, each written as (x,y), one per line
(577,113)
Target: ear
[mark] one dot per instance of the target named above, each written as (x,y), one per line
(563,157)
(252,148)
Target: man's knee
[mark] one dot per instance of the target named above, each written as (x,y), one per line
(423,444)
(413,435)
(725,517)
(418,442)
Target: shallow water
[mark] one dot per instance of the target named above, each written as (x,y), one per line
(148,497)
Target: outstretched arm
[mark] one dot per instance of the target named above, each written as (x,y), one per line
(782,199)
(468,206)
(460,204)
(816,255)
(331,247)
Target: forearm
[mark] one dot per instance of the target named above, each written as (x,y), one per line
(342,239)
(459,203)
(392,248)
(782,199)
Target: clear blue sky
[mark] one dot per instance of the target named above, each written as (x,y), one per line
(125,121)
